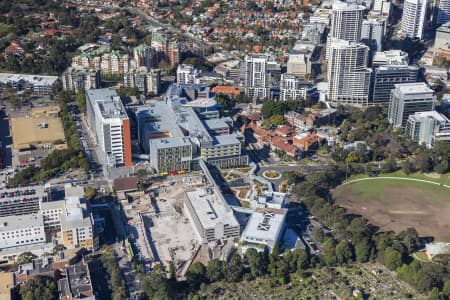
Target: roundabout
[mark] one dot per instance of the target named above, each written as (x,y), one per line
(271,174)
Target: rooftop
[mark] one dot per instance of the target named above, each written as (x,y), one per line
(413,88)
(125,184)
(210,209)
(430,114)
(339,5)
(33,79)
(265,224)
(108,103)
(7,283)
(20,222)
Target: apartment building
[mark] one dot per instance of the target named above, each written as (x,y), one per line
(256,76)
(292,87)
(147,82)
(80,79)
(414,18)
(115,63)
(187,74)
(145,56)
(108,120)
(407,99)
(348,75)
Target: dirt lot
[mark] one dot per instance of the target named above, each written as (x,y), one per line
(396,205)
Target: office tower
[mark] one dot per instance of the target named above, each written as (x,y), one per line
(382,7)
(372,33)
(385,78)
(110,125)
(348,75)
(443,13)
(256,76)
(407,99)
(80,79)
(145,55)
(293,88)
(413,18)
(187,74)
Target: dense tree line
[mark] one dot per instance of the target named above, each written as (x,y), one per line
(39,288)
(354,239)
(116,281)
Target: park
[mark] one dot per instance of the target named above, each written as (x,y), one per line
(396,203)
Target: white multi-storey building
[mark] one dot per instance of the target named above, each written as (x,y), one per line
(391,57)
(293,88)
(346,21)
(413,18)
(256,76)
(187,74)
(348,75)
(407,99)
(17,231)
(108,120)
(428,127)
(80,79)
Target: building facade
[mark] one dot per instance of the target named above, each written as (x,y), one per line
(386,77)
(407,99)
(80,79)
(413,18)
(108,120)
(256,76)
(293,88)
(18,231)
(428,128)
(348,75)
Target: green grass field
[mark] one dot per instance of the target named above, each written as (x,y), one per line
(396,204)
(444,178)
(370,190)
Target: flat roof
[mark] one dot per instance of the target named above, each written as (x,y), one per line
(34,79)
(226,139)
(210,209)
(162,143)
(108,103)
(273,197)
(433,114)
(339,5)
(413,88)
(10,223)
(214,124)
(265,224)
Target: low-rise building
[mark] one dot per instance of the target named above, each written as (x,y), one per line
(18,231)
(211,216)
(77,284)
(271,199)
(263,229)
(36,84)
(428,127)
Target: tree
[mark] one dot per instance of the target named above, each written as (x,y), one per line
(442,167)
(410,239)
(257,261)
(362,250)
(329,251)
(215,270)
(424,161)
(196,275)
(303,259)
(156,286)
(25,258)
(235,269)
(392,258)
(446,288)
(81,101)
(90,193)
(389,165)
(343,253)
(318,234)
(39,288)
(277,120)
(407,167)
